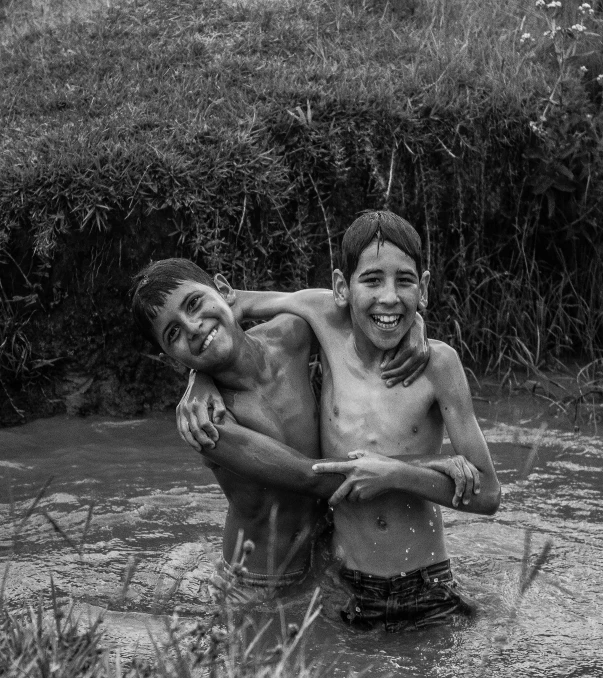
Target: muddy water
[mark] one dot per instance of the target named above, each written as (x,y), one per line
(157,509)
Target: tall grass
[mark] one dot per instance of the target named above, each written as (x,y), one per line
(247,136)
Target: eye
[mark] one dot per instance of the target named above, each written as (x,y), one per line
(172,334)
(193,303)
(371,280)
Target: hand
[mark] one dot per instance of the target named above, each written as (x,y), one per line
(407,362)
(199,409)
(464,473)
(367,475)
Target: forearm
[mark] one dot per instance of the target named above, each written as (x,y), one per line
(266,461)
(415,477)
(252,305)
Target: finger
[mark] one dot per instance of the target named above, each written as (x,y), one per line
(394,375)
(342,467)
(459,485)
(341,492)
(210,431)
(415,375)
(185,434)
(477,481)
(199,434)
(397,361)
(387,357)
(356,454)
(468,483)
(219,412)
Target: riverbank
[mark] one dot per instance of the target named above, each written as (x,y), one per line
(248,135)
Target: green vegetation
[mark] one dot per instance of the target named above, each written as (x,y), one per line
(248,135)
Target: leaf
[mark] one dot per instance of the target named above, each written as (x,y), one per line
(542,184)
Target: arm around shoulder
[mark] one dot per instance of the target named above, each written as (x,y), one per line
(454,398)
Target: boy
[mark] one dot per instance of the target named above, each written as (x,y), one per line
(391,545)
(264,459)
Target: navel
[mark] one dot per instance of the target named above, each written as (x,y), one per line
(415,429)
(381,523)
(336,411)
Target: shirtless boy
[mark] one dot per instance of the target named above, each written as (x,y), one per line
(390,545)
(264,458)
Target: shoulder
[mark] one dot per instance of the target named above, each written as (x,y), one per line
(444,361)
(289,330)
(446,371)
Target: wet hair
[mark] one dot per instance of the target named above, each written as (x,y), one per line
(152,285)
(383,226)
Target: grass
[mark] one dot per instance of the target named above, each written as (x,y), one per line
(247,136)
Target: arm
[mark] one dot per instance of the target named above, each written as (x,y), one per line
(257,457)
(199,409)
(371,474)
(406,363)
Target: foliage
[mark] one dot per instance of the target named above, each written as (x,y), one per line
(248,136)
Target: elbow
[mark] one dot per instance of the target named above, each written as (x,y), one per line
(490,500)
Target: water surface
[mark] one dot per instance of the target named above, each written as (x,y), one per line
(157,509)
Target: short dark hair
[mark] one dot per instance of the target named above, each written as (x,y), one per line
(385,227)
(152,285)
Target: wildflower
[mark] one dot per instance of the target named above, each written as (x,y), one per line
(579,28)
(554,4)
(585,8)
(540,3)
(552,33)
(524,37)
(600,79)
(535,127)
(583,70)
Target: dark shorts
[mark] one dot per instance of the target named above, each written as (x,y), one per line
(413,600)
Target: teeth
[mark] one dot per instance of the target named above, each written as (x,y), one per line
(386,321)
(209,339)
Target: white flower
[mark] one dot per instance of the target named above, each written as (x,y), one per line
(524,37)
(535,127)
(540,3)
(553,4)
(583,70)
(579,28)
(585,8)
(600,79)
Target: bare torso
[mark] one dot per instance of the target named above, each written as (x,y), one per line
(394,532)
(281,405)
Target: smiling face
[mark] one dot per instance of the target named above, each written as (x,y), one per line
(383,296)
(196,326)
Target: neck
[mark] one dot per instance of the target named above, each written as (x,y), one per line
(248,367)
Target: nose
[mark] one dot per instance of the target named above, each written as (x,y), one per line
(389,294)
(192,326)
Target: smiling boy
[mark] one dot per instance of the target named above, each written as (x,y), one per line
(264,458)
(390,544)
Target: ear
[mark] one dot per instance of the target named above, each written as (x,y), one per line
(225,289)
(341,291)
(423,289)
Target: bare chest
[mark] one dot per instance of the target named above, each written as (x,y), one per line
(359,412)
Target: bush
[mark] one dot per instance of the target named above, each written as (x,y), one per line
(248,136)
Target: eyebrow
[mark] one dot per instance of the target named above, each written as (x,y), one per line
(372,271)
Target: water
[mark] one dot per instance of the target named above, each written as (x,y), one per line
(156,503)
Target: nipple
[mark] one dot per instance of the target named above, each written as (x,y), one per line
(414,429)
(381,523)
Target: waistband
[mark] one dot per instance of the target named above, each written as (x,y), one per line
(432,574)
(264,580)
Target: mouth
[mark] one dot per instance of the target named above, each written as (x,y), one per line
(208,339)
(387,322)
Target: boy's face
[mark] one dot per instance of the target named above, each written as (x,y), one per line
(196,326)
(383,296)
